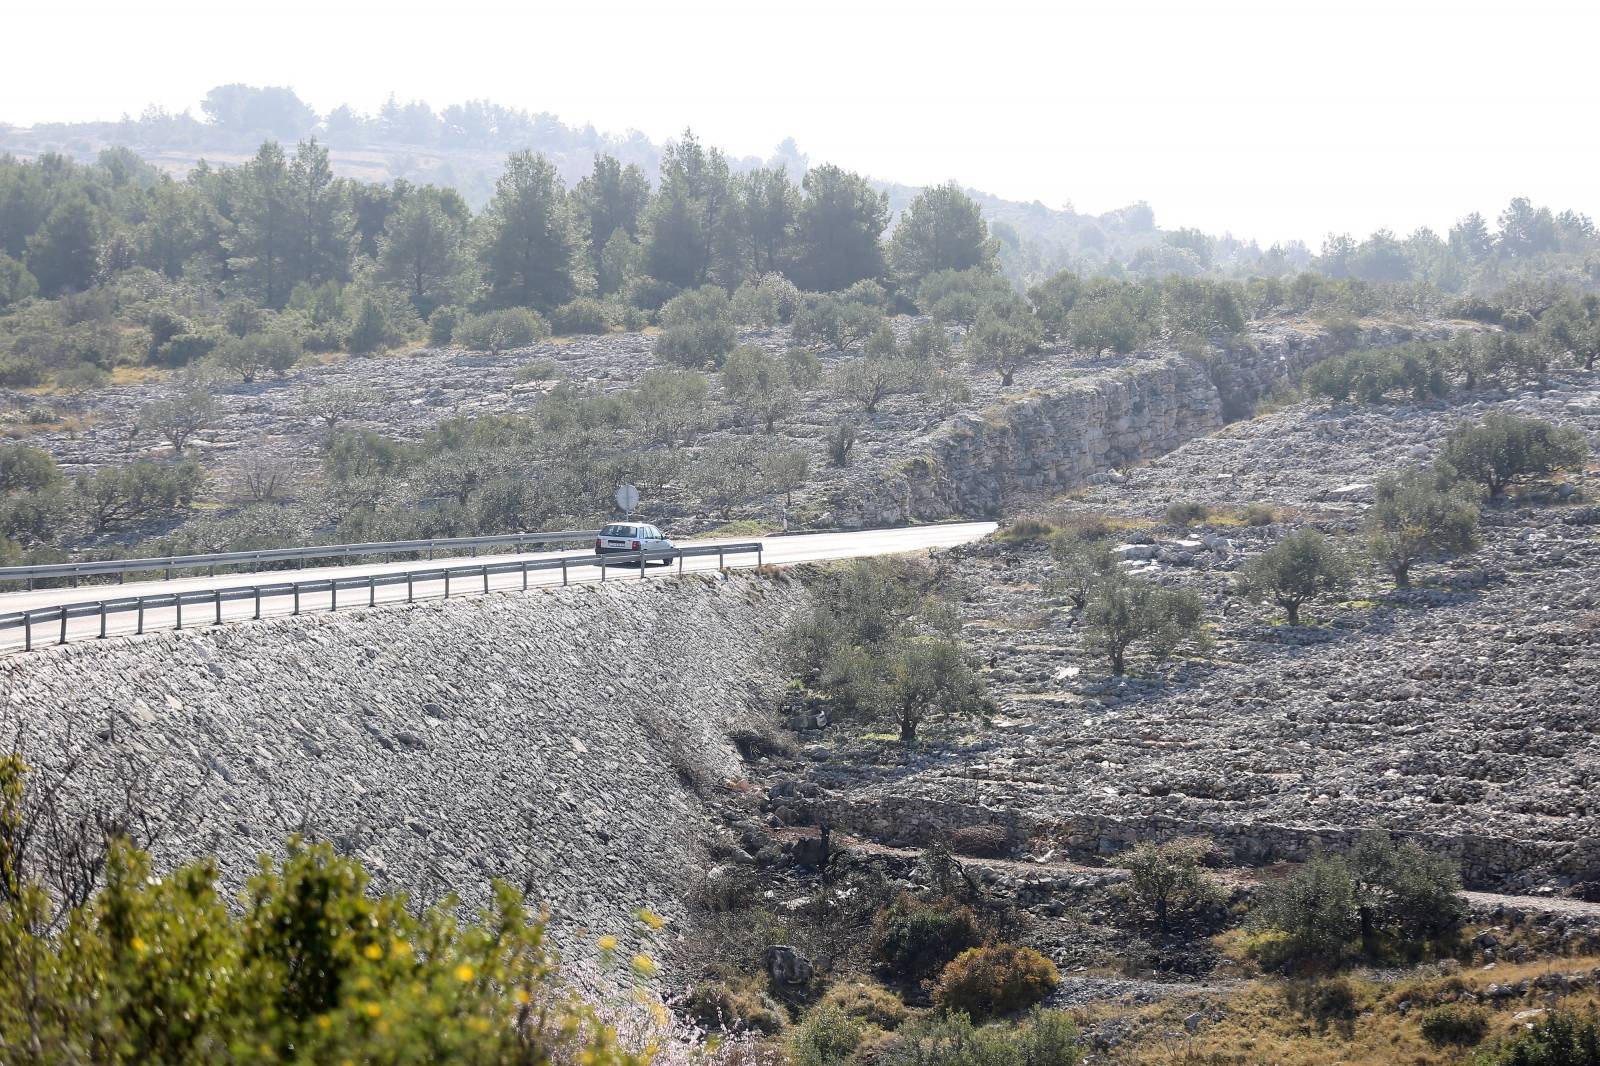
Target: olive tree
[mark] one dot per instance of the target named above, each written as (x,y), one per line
(180,415)
(1168,884)
(1077,564)
(1296,569)
(697,328)
(1416,516)
(1501,448)
(928,676)
(1122,611)
(1004,336)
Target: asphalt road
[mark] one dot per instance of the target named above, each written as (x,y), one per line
(781,551)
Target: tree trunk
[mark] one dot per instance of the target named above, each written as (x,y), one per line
(1006,376)
(908,730)
(1117,663)
(1293,608)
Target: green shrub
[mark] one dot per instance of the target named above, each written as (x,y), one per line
(1562,1039)
(1500,448)
(583,315)
(697,328)
(720,1005)
(915,938)
(116,496)
(1258,514)
(442,324)
(995,980)
(537,370)
(1027,531)
(24,468)
(20,372)
(1045,1038)
(1187,513)
(495,331)
(308,965)
(826,1037)
(82,378)
(1455,1024)
(1169,888)
(1330,1000)
(185,348)
(873,1005)
(1295,570)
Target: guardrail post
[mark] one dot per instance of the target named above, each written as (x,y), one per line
(372,591)
(216,599)
(333,595)
(27,631)
(486,578)
(644,565)
(297,597)
(102,620)
(720,564)
(74,579)
(258,601)
(140,630)
(447,583)
(169,573)
(524,575)
(408,587)
(177,605)
(758,556)
(563,571)
(63,639)
(602,569)
(680,562)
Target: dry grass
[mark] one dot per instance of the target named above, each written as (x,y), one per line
(1348,1020)
(138,375)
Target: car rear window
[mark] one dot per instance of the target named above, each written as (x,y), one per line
(617,529)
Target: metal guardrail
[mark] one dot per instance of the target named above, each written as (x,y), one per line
(123,567)
(62,614)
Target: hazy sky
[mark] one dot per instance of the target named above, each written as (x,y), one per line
(1273,119)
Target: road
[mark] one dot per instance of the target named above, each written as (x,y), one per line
(780,551)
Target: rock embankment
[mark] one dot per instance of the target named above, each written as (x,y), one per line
(1065,435)
(560,740)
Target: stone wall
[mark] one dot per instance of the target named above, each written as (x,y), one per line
(561,737)
(1048,442)
(1487,861)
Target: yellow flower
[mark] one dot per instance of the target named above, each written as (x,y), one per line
(372,1010)
(644,965)
(465,973)
(521,995)
(324,1022)
(373,952)
(608,943)
(138,944)
(399,949)
(651,918)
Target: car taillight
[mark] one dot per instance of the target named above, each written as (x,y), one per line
(597,542)
(635,545)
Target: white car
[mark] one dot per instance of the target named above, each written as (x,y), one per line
(631,537)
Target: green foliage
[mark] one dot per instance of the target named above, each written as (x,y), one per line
(1106,315)
(731,1007)
(496,331)
(1079,563)
(16,283)
(1123,611)
(1053,300)
(670,404)
(311,968)
(838,230)
(380,319)
(276,350)
(871,1004)
(1169,887)
(996,979)
(1004,337)
(871,379)
(943,229)
(1415,516)
(362,454)
(115,496)
(1044,1038)
(181,414)
(1562,1039)
(583,315)
(1381,896)
(760,385)
(1454,1024)
(827,1037)
(697,328)
(533,252)
(959,296)
(1500,449)
(1183,513)
(24,468)
(841,442)
(18,371)
(1371,376)
(834,321)
(1295,570)
(423,250)
(915,939)
(442,324)
(1572,325)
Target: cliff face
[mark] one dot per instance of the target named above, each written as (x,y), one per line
(558,739)
(1048,442)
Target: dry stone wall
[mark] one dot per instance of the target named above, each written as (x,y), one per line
(1053,440)
(560,738)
